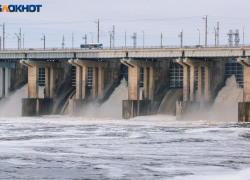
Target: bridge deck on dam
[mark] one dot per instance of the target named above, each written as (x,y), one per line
(97,54)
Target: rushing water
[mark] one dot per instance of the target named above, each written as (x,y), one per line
(156,147)
(149,147)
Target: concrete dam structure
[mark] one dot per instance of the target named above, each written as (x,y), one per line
(174,81)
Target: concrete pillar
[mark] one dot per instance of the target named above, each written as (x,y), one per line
(52,82)
(246,90)
(133,83)
(192,82)
(2,82)
(146,83)
(200,84)
(47,82)
(33,77)
(7,81)
(186,82)
(151,83)
(78,82)
(133,108)
(84,81)
(95,83)
(101,83)
(207,86)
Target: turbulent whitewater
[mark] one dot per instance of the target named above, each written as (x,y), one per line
(225,107)
(112,108)
(12,105)
(155,147)
(149,147)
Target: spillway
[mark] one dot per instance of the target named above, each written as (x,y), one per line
(112,108)
(12,105)
(225,107)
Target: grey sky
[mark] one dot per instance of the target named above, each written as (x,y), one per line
(62,17)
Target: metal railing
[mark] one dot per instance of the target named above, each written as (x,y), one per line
(128,48)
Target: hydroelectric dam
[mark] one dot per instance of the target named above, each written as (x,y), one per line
(175,81)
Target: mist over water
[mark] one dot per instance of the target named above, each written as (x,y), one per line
(112,108)
(12,105)
(225,107)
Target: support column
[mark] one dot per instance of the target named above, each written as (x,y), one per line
(95,83)
(207,86)
(244,107)
(33,77)
(246,90)
(133,83)
(78,82)
(146,83)
(151,83)
(100,83)
(200,84)
(192,83)
(84,81)
(52,82)
(47,82)
(7,81)
(2,82)
(186,82)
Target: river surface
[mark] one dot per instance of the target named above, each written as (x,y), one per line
(151,147)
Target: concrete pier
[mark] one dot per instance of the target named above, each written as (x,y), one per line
(134,106)
(5,78)
(36,107)
(244,107)
(40,106)
(105,74)
(201,98)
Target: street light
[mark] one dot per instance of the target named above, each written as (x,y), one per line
(73,39)
(18,40)
(92,36)
(110,39)
(23,40)
(143,38)
(3,35)
(43,41)
(199,37)
(125,38)
(244,36)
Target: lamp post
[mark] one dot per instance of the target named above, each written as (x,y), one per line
(125,38)
(199,37)
(73,39)
(92,36)
(43,41)
(3,38)
(143,38)
(244,36)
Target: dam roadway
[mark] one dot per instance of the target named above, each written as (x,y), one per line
(143,53)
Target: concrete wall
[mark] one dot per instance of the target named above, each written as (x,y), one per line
(162,83)
(218,77)
(19,76)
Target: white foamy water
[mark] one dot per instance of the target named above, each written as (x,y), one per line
(225,107)
(12,105)
(112,108)
(150,147)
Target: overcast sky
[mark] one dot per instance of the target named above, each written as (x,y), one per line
(62,17)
